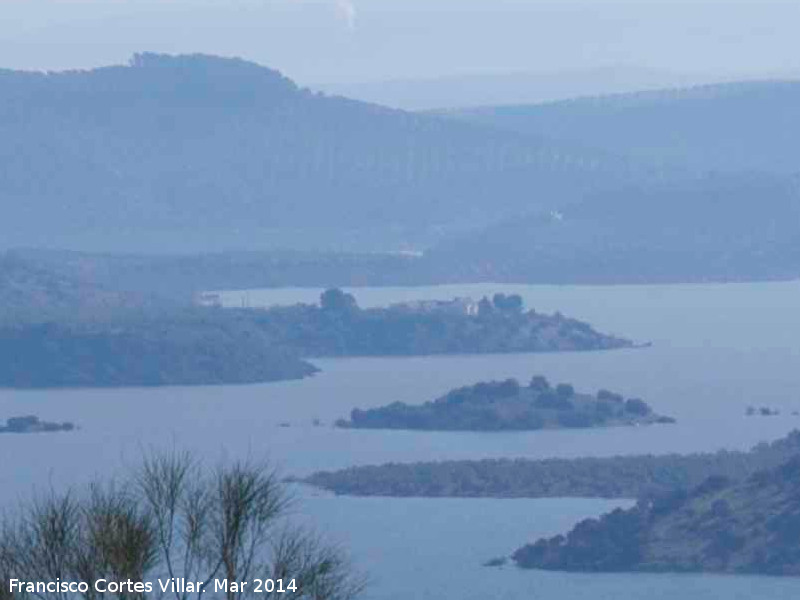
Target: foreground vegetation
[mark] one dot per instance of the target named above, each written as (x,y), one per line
(615,477)
(171,518)
(508,406)
(722,525)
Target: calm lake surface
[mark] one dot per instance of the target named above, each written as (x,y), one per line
(716,350)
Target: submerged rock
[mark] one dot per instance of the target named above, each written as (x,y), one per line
(32,424)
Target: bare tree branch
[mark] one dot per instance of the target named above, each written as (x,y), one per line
(173,519)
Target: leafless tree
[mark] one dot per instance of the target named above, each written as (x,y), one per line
(116,541)
(174,519)
(40,544)
(60,538)
(320,570)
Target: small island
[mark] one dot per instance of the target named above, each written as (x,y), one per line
(509,406)
(750,525)
(32,424)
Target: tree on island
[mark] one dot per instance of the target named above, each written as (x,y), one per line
(336,301)
(172,519)
(508,304)
(485,307)
(539,383)
(565,391)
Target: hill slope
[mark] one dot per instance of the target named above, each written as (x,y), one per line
(735,219)
(725,127)
(479,90)
(716,228)
(33,290)
(721,526)
(197,152)
(165,350)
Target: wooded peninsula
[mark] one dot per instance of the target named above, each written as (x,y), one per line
(212,345)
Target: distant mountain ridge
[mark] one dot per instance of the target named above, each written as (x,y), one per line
(195,152)
(737,218)
(738,126)
(199,154)
(489,89)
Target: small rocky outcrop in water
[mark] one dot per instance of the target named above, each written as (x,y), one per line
(507,405)
(32,424)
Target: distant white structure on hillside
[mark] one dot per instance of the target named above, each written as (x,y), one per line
(208,299)
(458,306)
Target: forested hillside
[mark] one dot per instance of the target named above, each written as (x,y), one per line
(176,277)
(589,477)
(719,228)
(197,152)
(746,126)
(31,290)
(734,218)
(720,526)
(203,346)
(172,349)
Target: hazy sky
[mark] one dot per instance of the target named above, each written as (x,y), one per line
(354,40)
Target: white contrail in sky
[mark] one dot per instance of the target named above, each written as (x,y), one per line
(345,9)
(348,11)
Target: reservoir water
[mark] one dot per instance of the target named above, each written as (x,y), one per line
(716,349)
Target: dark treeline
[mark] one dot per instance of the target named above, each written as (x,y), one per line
(614,477)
